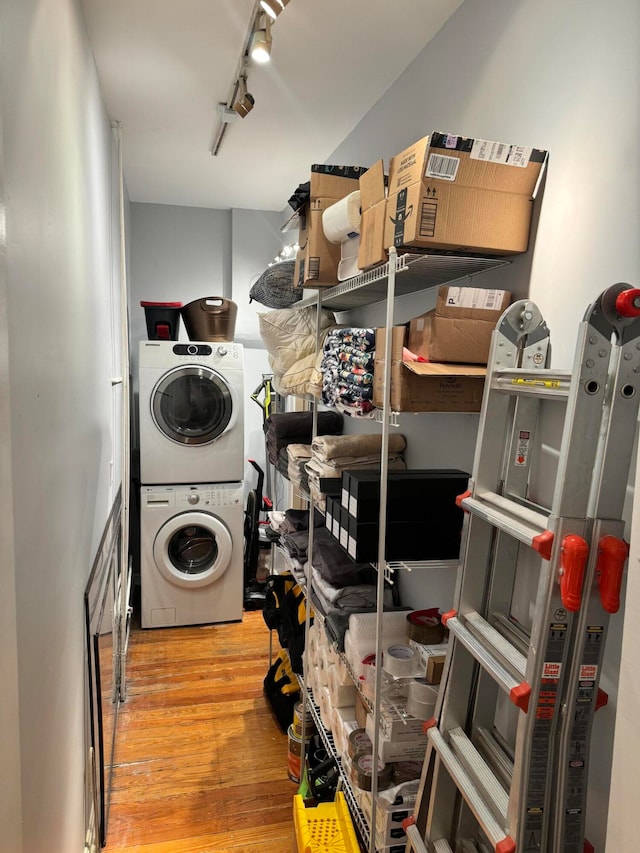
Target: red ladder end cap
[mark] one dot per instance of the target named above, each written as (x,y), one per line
(543,544)
(407,822)
(450,614)
(520,694)
(507,845)
(428,724)
(588,847)
(602,698)
(461,497)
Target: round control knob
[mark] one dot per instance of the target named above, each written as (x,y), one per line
(192,349)
(194,498)
(222,350)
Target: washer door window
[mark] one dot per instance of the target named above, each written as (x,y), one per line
(192,405)
(193,549)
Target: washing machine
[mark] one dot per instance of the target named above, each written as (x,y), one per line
(191,554)
(191,412)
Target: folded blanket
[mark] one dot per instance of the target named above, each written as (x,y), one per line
(298,451)
(316,468)
(328,447)
(345,597)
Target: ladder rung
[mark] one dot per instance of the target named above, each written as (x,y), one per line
(478,770)
(495,756)
(522,523)
(515,634)
(442,846)
(480,627)
(518,691)
(535,383)
(417,844)
(496,833)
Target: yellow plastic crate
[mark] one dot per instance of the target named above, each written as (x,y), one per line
(327,828)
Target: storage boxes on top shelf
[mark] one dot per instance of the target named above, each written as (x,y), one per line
(317,259)
(450,193)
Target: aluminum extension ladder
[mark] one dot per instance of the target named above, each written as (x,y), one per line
(507,760)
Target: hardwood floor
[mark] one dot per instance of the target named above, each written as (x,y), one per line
(201,764)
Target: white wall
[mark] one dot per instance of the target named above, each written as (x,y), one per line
(559,76)
(58,442)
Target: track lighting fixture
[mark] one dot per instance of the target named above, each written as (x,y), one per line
(273,7)
(244,101)
(260,47)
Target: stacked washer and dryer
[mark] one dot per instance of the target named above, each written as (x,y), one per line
(191,467)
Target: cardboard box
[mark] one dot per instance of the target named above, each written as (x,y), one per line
(449,193)
(471,303)
(317,260)
(334,182)
(432,658)
(373,205)
(435,667)
(431,387)
(459,329)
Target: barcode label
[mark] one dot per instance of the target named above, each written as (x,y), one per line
(428,219)
(313,269)
(500,152)
(442,166)
(475,297)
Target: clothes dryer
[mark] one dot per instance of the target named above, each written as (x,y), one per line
(191,410)
(191,560)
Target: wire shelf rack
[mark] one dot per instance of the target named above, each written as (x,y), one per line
(417,272)
(357,815)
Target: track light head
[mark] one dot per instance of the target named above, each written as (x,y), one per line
(273,7)
(260,46)
(244,101)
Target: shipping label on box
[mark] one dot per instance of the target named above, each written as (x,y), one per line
(471,303)
(410,749)
(499,166)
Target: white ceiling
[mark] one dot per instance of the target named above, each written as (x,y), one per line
(164,65)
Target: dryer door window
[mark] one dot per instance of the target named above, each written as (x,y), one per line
(193,549)
(192,405)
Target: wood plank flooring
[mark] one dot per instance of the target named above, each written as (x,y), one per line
(200,762)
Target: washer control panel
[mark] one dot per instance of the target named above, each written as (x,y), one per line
(201,497)
(228,352)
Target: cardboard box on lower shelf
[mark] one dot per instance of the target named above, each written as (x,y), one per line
(459,329)
(425,387)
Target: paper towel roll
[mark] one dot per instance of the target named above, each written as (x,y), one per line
(323,667)
(342,694)
(325,708)
(342,219)
(348,263)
